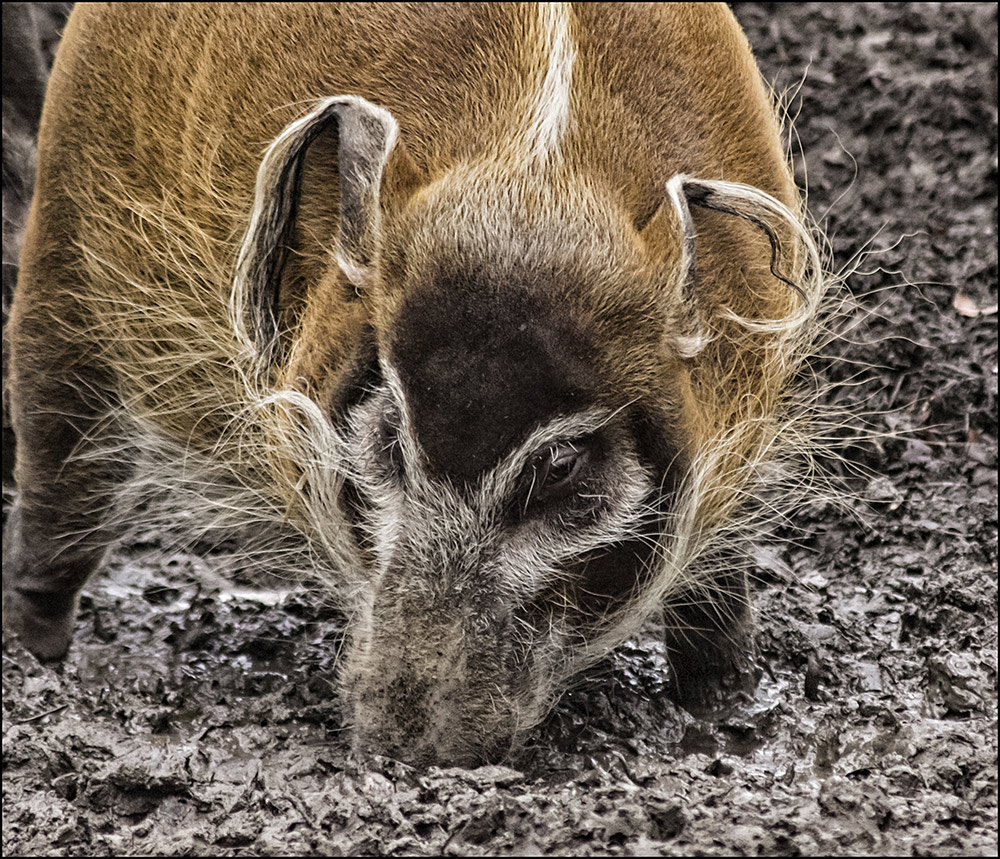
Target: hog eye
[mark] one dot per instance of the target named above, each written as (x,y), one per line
(557,472)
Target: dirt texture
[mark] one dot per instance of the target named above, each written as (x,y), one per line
(191,718)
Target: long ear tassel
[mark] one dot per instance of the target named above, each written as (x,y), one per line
(769,215)
(695,336)
(367,134)
(763,211)
(367,137)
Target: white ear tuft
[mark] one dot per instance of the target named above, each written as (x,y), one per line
(693,336)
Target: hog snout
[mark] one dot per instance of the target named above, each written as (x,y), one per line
(436,678)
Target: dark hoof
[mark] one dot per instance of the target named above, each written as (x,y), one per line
(712,684)
(42,622)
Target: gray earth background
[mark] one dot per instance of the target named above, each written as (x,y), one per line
(190,718)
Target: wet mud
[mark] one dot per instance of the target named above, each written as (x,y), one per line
(193,717)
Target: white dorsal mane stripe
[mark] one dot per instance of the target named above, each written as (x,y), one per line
(550,111)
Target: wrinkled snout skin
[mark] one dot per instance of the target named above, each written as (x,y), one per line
(467,311)
(436,671)
(439,676)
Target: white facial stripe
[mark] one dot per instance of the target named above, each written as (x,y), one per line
(531,560)
(550,112)
(494,483)
(408,445)
(562,428)
(437,520)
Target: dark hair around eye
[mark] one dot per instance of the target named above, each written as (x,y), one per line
(558,471)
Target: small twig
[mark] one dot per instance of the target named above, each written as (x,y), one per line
(41,715)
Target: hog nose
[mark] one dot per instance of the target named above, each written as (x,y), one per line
(446,706)
(421,733)
(436,675)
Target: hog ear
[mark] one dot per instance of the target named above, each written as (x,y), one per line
(690,334)
(366,135)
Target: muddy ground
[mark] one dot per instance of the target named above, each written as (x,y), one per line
(192,720)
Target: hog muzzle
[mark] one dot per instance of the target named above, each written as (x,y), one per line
(437,676)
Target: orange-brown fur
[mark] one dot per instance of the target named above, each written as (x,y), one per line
(114,89)
(156,120)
